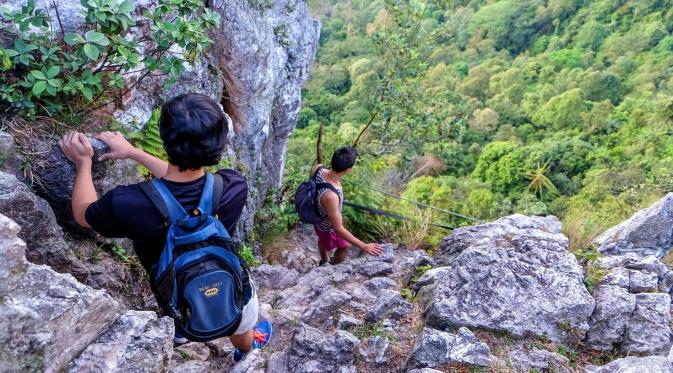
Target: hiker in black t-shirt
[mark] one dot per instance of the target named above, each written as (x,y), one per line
(193,129)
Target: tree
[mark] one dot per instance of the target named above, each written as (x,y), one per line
(562,111)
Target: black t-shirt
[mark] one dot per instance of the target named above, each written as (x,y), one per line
(125,211)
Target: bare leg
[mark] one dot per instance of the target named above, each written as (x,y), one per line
(340,255)
(242,341)
(324,254)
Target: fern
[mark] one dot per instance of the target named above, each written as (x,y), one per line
(149,140)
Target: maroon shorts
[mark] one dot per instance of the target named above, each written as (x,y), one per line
(330,240)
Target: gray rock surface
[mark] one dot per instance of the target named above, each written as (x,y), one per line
(630,311)
(10,159)
(374,350)
(43,236)
(435,348)
(649,364)
(58,177)
(253,362)
(46,318)
(390,304)
(539,360)
(13,264)
(315,351)
(274,277)
(647,232)
(515,275)
(137,342)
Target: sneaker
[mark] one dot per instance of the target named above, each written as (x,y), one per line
(324,263)
(261,337)
(178,339)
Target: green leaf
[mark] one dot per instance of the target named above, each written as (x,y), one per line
(72,38)
(91,51)
(53,71)
(38,75)
(39,87)
(11,52)
(86,91)
(56,83)
(126,7)
(96,38)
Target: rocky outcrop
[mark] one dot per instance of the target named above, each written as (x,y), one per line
(647,232)
(436,348)
(650,364)
(315,351)
(514,275)
(42,234)
(633,306)
(268,46)
(57,179)
(633,301)
(46,318)
(137,342)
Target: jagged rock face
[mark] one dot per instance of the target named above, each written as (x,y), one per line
(436,348)
(514,275)
(41,232)
(47,318)
(57,180)
(630,311)
(650,364)
(314,351)
(648,232)
(13,264)
(269,48)
(272,47)
(137,342)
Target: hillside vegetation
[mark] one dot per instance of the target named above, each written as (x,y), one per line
(492,107)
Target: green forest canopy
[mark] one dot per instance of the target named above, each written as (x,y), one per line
(488,108)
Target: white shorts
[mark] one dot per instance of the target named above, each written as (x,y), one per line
(250,313)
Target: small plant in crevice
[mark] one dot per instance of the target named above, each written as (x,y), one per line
(370,329)
(594,273)
(408,294)
(249,256)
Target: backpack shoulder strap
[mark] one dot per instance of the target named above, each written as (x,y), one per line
(155,198)
(330,187)
(218,187)
(174,210)
(317,170)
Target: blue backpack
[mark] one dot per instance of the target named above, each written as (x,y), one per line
(200,280)
(306,201)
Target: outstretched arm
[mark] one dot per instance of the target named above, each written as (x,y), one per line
(120,148)
(78,149)
(330,201)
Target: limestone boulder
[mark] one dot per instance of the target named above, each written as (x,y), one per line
(632,364)
(647,232)
(313,350)
(138,341)
(42,234)
(436,348)
(513,275)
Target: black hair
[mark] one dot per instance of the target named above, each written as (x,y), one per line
(344,158)
(193,129)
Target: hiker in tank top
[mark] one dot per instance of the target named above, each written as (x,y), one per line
(332,235)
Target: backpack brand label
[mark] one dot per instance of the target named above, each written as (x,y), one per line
(211,290)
